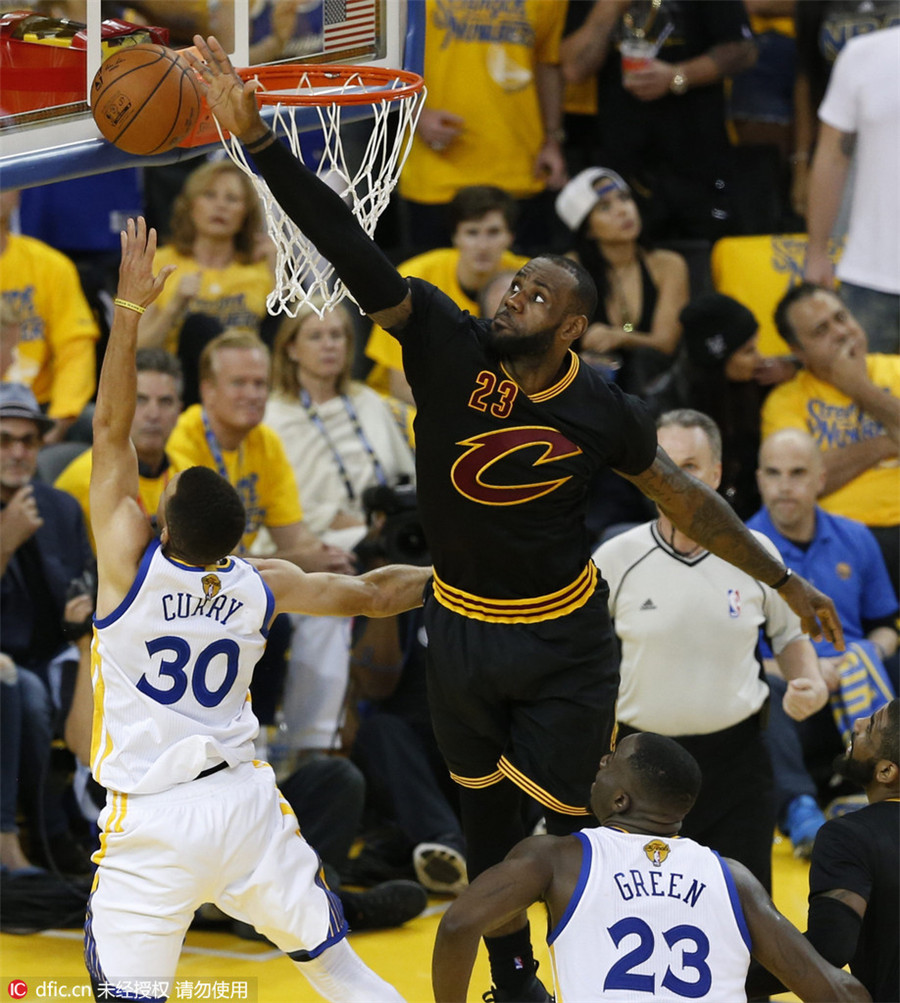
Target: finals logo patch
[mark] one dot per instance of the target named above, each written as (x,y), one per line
(211,585)
(656,851)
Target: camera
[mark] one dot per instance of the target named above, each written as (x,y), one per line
(401,539)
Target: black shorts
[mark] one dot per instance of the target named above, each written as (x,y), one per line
(532,702)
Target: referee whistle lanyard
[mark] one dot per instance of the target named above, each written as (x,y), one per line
(314,416)
(219,460)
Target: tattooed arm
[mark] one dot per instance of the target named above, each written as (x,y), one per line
(704,516)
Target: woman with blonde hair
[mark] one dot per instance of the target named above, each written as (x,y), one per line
(223,273)
(341,437)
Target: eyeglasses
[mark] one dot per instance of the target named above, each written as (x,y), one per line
(31,440)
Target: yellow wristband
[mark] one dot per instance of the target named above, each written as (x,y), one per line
(127,305)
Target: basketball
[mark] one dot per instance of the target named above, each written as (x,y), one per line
(144,99)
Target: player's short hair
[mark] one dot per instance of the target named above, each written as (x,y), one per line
(667,773)
(205,517)
(687,417)
(801,291)
(584,296)
(232,338)
(158,360)
(890,736)
(474,202)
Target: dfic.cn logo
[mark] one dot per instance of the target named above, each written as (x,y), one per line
(17,989)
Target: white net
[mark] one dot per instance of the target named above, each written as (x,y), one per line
(302,275)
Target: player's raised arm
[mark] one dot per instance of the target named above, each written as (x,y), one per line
(382,592)
(114,469)
(319,212)
(780,947)
(707,518)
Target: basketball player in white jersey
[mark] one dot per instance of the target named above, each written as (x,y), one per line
(191,817)
(635,912)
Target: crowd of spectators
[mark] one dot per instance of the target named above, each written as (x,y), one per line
(285,414)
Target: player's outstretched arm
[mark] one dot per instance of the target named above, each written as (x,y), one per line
(780,947)
(319,212)
(114,467)
(495,897)
(382,592)
(704,516)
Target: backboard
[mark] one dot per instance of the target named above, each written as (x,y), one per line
(56,140)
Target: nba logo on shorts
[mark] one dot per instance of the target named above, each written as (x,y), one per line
(734,603)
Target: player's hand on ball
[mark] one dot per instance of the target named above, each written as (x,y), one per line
(137,283)
(229,98)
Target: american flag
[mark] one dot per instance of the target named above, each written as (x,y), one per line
(349,23)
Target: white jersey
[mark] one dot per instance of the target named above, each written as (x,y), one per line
(689,628)
(171,670)
(652,918)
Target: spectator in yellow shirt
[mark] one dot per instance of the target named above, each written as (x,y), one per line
(55,353)
(849,401)
(157,409)
(223,275)
(225,432)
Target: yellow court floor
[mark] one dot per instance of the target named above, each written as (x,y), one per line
(219,966)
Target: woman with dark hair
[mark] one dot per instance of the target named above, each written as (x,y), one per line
(223,275)
(635,330)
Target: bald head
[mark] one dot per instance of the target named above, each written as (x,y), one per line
(791,476)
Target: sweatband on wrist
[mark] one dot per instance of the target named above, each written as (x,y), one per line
(128,305)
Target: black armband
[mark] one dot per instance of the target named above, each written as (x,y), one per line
(833,929)
(329,224)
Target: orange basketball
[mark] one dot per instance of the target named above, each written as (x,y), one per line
(145,99)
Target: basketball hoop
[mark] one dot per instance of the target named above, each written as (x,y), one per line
(306,95)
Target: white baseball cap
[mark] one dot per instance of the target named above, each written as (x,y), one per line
(583,192)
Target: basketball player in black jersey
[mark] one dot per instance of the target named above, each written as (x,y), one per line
(510,429)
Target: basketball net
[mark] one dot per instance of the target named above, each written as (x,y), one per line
(302,276)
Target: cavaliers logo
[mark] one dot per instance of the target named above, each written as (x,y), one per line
(211,585)
(471,474)
(656,851)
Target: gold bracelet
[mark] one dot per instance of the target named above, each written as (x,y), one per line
(128,305)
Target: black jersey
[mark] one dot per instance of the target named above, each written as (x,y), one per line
(503,477)
(859,852)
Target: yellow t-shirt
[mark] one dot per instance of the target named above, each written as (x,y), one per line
(234,295)
(834,421)
(758,271)
(76,481)
(259,470)
(439,268)
(480,61)
(56,354)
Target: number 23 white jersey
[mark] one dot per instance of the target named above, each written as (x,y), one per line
(171,670)
(651,918)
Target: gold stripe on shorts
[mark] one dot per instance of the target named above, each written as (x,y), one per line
(477,783)
(531,610)
(538,793)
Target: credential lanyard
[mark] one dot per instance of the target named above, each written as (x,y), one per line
(219,460)
(316,419)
